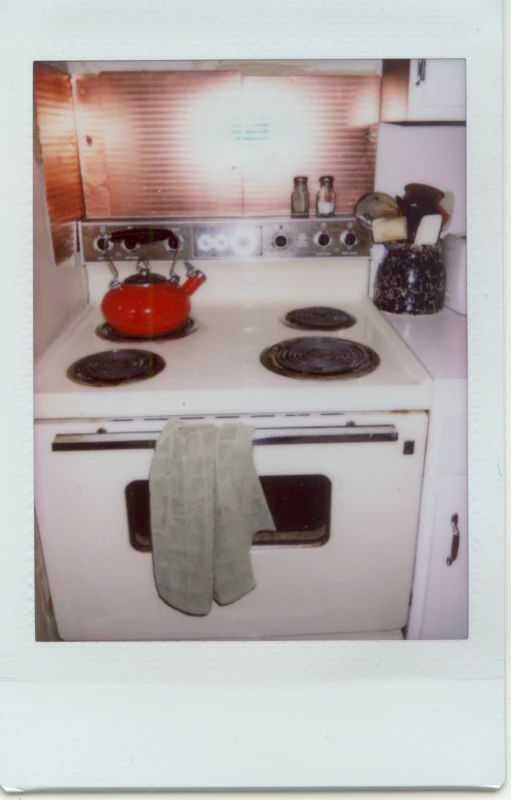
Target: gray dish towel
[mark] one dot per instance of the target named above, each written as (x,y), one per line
(206,503)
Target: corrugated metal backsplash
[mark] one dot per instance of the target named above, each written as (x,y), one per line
(56,131)
(308,125)
(219,143)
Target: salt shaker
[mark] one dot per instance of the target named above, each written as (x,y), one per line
(300,198)
(325,200)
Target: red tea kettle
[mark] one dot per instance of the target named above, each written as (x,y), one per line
(147,304)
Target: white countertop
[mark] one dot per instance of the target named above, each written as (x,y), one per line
(438,340)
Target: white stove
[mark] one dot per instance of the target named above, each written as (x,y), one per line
(351,451)
(217,368)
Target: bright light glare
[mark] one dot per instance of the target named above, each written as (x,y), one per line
(245,241)
(215,131)
(366,108)
(275,129)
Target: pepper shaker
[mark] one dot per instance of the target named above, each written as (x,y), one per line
(300,198)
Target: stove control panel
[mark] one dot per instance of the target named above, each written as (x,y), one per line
(233,238)
(338,236)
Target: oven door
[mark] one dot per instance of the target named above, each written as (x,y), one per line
(345,500)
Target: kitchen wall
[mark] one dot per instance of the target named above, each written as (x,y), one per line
(60,292)
(432,154)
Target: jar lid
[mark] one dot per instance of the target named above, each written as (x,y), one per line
(301,179)
(326,180)
(145,278)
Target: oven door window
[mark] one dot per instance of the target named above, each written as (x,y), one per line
(300,506)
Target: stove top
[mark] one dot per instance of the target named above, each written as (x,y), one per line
(218,370)
(106,331)
(115,367)
(239,313)
(319,318)
(320,357)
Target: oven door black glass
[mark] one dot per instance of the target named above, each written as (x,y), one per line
(300,506)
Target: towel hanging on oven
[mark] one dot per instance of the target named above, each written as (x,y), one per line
(206,503)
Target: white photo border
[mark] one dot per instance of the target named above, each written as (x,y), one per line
(192,715)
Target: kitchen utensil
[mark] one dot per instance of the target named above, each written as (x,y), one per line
(422,193)
(389,230)
(147,304)
(446,208)
(419,201)
(410,280)
(375,205)
(429,229)
(454,253)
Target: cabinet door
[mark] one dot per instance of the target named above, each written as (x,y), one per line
(437,90)
(446,607)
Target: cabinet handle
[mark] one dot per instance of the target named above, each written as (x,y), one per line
(421,71)
(455,544)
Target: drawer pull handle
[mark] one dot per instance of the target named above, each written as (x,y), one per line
(146,441)
(421,71)
(455,544)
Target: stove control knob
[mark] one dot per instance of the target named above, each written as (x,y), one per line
(322,239)
(221,242)
(173,241)
(103,243)
(349,239)
(281,241)
(205,243)
(129,245)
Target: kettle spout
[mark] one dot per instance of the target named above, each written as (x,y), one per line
(194,280)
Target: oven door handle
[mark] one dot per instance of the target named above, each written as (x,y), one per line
(348,434)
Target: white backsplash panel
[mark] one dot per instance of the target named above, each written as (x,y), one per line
(431,154)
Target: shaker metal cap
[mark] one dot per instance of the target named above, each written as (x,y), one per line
(327,179)
(300,179)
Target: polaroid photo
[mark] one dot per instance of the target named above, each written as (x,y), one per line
(253,442)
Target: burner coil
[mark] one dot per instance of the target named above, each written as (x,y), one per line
(113,367)
(319,318)
(320,357)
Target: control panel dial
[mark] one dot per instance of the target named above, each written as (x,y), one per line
(349,239)
(103,243)
(205,243)
(322,239)
(177,240)
(130,246)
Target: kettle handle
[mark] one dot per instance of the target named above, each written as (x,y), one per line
(139,236)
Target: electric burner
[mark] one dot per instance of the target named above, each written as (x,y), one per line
(113,367)
(318,318)
(106,331)
(324,357)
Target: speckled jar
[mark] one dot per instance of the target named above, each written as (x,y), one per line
(410,280)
